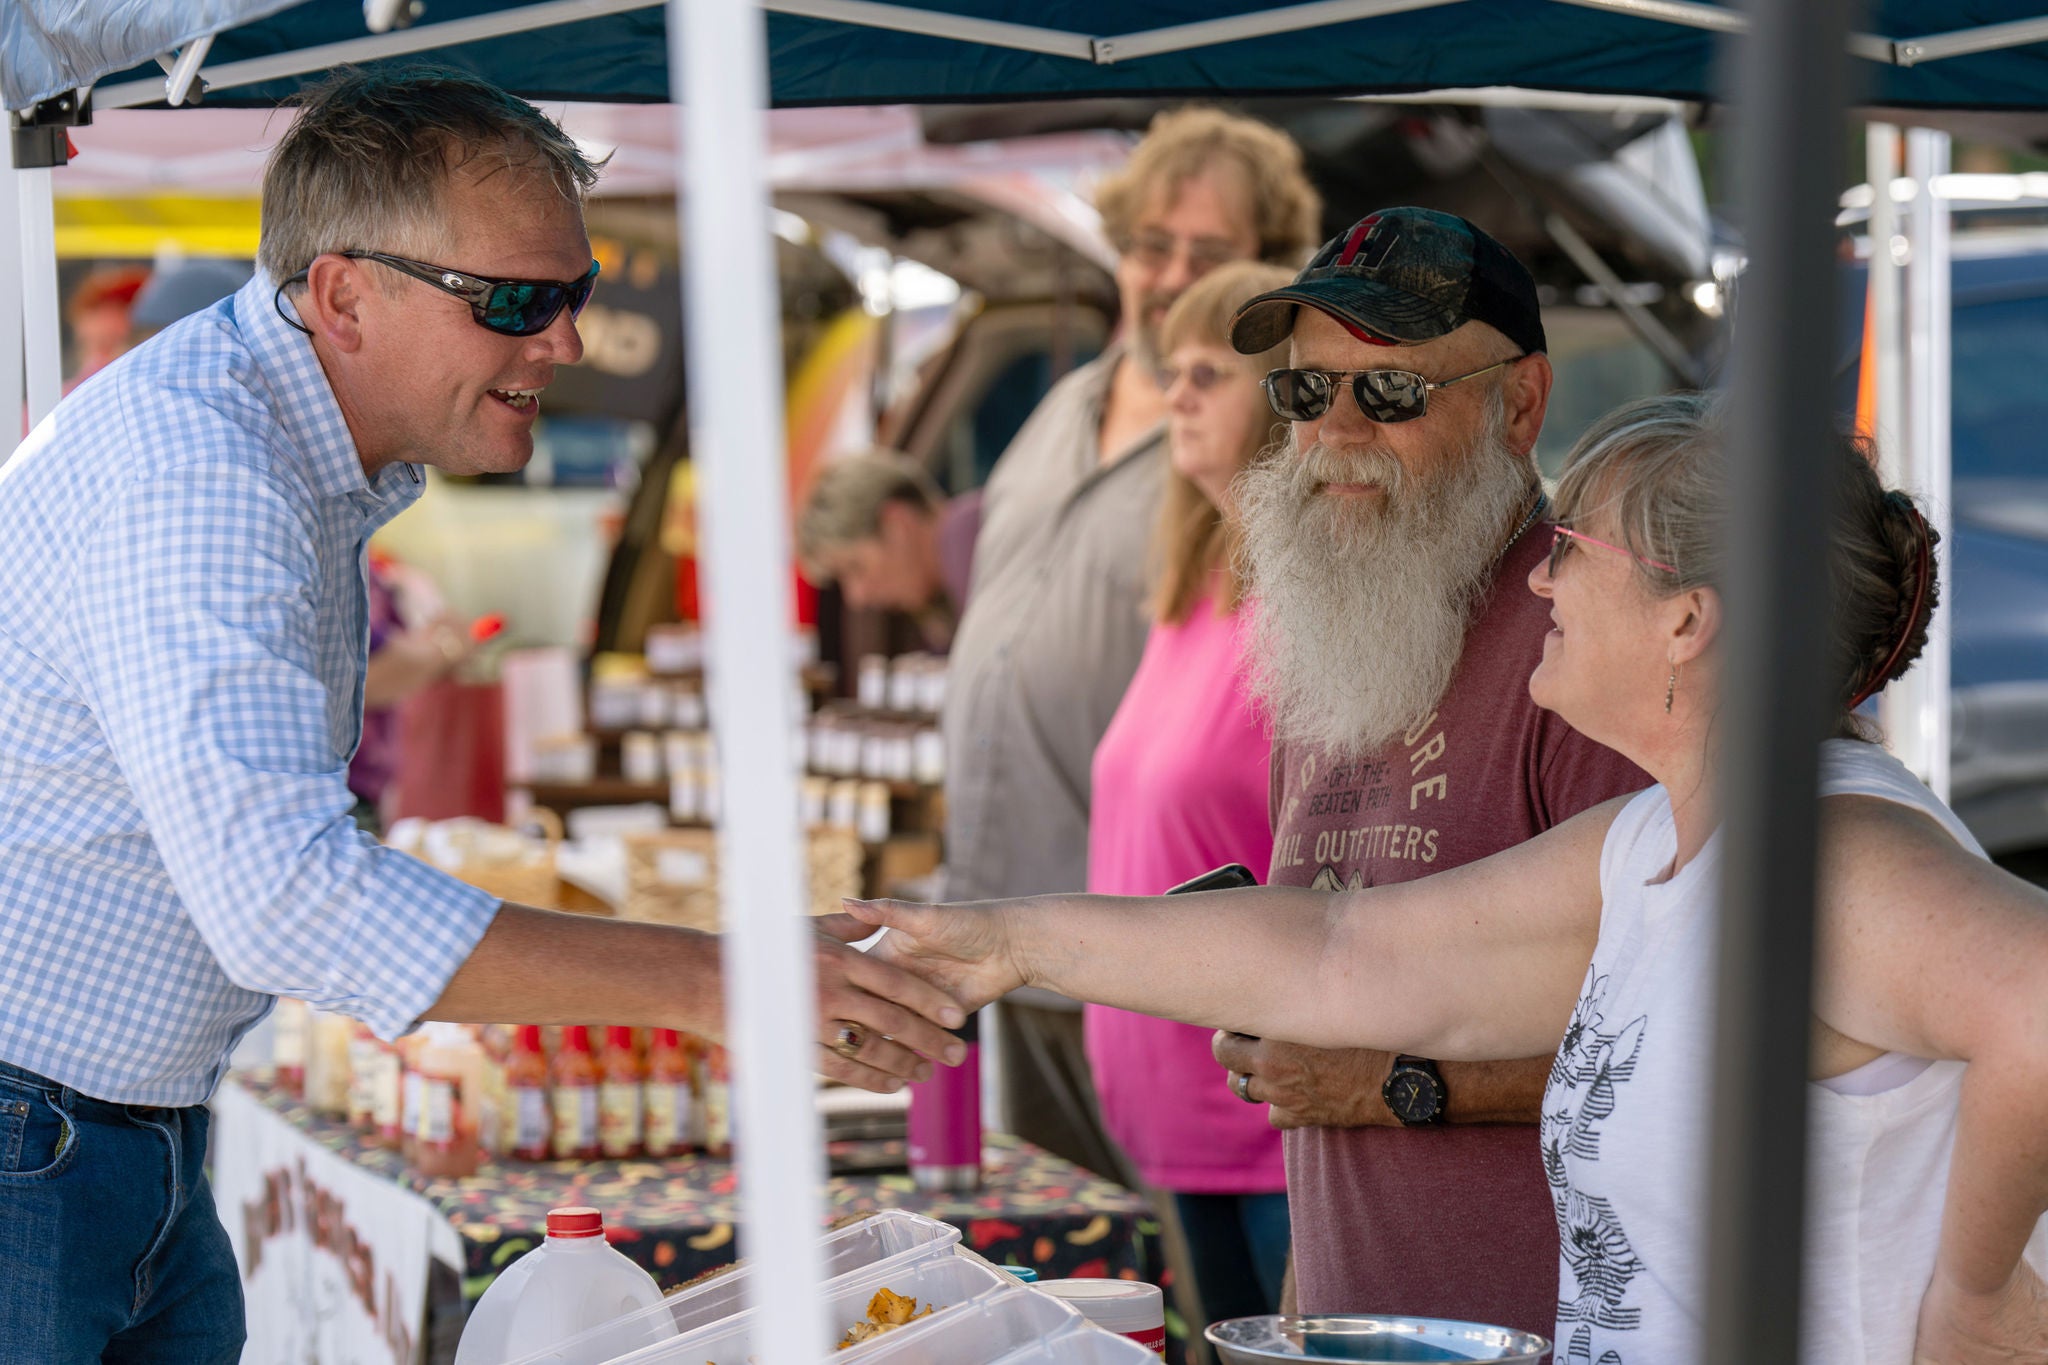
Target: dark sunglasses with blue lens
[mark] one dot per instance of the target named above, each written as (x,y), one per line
(513,308)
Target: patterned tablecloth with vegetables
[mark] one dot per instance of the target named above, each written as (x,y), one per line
(677,1217)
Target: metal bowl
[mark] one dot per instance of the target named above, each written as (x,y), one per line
(1366,1338)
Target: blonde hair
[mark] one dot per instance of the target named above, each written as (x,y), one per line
(1194,542)
(365,164)
(1285,210)
(844,503)
(1658,465)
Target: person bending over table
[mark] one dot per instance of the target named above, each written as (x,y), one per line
(182,640)
(1929,1046)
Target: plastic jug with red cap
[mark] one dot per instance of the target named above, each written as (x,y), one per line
(571,1283)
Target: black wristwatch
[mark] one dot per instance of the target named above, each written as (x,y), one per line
(1414,1090)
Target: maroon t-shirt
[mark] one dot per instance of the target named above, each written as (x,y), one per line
(1452,1221)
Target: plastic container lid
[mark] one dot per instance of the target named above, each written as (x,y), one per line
(1022,1272)
(1119,1305)
(575,1221)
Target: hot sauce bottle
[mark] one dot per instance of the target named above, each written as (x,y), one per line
(717,1092)
(671,1097)
(526,1078)
(618,1097)
(575,1078)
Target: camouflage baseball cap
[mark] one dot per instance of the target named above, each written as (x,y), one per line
(1399,277)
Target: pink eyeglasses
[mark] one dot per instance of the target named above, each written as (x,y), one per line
(1563,536)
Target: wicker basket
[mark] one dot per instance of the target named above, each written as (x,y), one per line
(528,876)
(672,876)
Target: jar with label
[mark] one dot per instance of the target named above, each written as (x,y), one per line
(288,1045)
(906,674)
(689,713)
(928,761)
(619,1096)
(842,807)
(874,751)
(1130,1308)
(640,757)
(526,1082)
(871,819)
(670,1096)
(575,1082)
(899,759)
(717,1100)
(932,688)
(387,1090)
(444,1143)
(327,1064)
(814,794)
(873,688)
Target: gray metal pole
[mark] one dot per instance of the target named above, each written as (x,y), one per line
(1788,99)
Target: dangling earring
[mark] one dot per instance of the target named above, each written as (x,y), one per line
(1671,689)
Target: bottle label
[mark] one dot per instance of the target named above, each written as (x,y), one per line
(530,1126)
(718,1125)
(288,1045)
(386,1075)
(437,1110)
(409,1102)
(575,1119)
(362,1101)
(669,1117)
(1153,1339)
(618,1120)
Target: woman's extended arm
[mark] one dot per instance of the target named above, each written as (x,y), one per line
(1480,962)
(1927,950)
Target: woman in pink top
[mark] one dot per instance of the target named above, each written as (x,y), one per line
(1179,787)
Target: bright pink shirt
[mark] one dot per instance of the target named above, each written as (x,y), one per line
(1179,787)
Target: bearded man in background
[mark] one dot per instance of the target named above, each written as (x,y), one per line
(1388,543)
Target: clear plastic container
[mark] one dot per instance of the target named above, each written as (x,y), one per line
(886,1244)
(981,1313)
(1081,1343)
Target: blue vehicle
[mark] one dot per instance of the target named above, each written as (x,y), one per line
(1998,557)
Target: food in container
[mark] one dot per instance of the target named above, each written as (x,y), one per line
(887,1310)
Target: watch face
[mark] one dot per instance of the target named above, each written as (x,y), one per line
(1411,1093)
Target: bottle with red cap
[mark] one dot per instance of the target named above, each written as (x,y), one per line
(618,1095)
(571,1283)
(575,1079)
(671,1096)
(531,1122)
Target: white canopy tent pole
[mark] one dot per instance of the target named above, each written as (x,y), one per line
(1898,712)
(1926,688)
(44,338)
(719,64)
(12,404)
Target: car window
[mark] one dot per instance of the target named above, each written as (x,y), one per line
(1999,404)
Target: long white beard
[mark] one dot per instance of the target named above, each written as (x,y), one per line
(1360,611)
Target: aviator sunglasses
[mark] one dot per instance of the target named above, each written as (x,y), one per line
(513,308)
(1382,395)
(1202,375)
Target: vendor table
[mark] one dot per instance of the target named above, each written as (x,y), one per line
(398,1248)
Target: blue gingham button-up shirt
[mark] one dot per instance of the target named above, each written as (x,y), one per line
(183,635)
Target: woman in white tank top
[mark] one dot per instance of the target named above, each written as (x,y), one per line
(1595,942)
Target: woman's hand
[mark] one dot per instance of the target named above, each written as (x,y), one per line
(964,950)
(2004,1327)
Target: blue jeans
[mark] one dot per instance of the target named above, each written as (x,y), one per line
(110,1249)
(1238,1243)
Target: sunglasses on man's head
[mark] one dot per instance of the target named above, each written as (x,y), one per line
(513,308)
(1203,375)
(1382,395)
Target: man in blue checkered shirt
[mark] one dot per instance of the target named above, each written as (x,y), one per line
(182,647)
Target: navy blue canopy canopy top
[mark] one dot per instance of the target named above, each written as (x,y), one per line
(1973,54)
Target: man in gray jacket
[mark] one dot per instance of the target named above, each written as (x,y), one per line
(1056,624)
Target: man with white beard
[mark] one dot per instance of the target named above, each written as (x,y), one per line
(1388,544)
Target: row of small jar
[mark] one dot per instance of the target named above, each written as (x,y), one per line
(909,684)
(681,647)
(840,745)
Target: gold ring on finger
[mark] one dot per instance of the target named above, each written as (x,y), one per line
(848,1039)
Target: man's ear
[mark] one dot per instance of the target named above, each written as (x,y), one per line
(1526,391)
(331,303)
(1696,626)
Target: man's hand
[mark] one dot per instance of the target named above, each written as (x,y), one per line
(2003,1327)
(962,950)
(1307,1087)
(898,1019)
